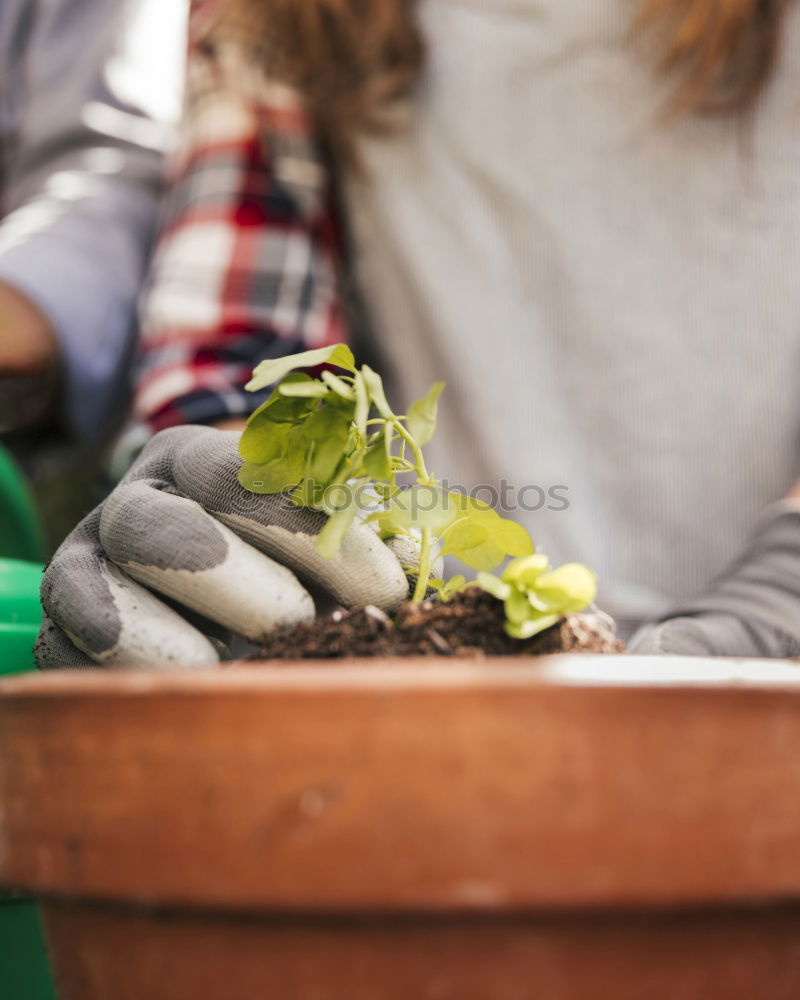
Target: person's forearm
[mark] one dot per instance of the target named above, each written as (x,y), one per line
(751,610)
(81,188)
(235,424)
(82,271)
(27,340)
(29,363)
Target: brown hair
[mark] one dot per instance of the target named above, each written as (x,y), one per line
(720,51)
(352,59)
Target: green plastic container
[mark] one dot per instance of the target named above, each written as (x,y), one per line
(24,970)
(20,535)
(20,614)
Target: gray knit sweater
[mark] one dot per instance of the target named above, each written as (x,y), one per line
(614,301)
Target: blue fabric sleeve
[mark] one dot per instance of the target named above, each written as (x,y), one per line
(94,95)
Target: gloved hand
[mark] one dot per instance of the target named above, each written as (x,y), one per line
(753,610)
(180,523)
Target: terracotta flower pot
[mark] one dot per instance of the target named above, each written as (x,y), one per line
(557,829)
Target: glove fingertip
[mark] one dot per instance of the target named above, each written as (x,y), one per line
(54,650)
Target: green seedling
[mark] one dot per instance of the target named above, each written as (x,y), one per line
(536,596)
(332,442)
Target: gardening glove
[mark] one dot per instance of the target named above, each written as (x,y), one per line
(180,524)
(752,611)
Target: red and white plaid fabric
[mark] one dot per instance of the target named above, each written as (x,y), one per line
(247,261)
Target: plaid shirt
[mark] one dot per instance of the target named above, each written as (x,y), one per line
(246,266)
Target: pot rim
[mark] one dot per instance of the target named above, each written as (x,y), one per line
(562,670)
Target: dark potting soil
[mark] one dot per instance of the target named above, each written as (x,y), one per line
(469,624)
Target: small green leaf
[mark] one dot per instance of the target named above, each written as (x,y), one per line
(324,421)
(263,441)
(388,443)
(423,505)
(483,554)
(340,387)
(376,461)
(502,537)
(453,586)
(470,505)
(421,417)
(273,370)
(461,535)
(374,384)
(278,407)
(493,585)
(526,570)
(538,597)
(388,524)
(568,589)
(336,527)
(483,557)
(310,389)
(361,412)
(324,460)
(431,507)
(277,476)
(266,435)
(532,627)
(518,607)
(385,490)
(444,590)
(328,431)
(507,535)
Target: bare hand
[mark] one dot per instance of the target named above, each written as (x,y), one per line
(28,361)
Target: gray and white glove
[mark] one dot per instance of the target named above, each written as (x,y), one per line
(180,524)
(751,611)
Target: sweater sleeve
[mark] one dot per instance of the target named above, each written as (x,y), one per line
(83,178)
(92,115)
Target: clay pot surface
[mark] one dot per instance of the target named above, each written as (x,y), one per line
(563,827)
